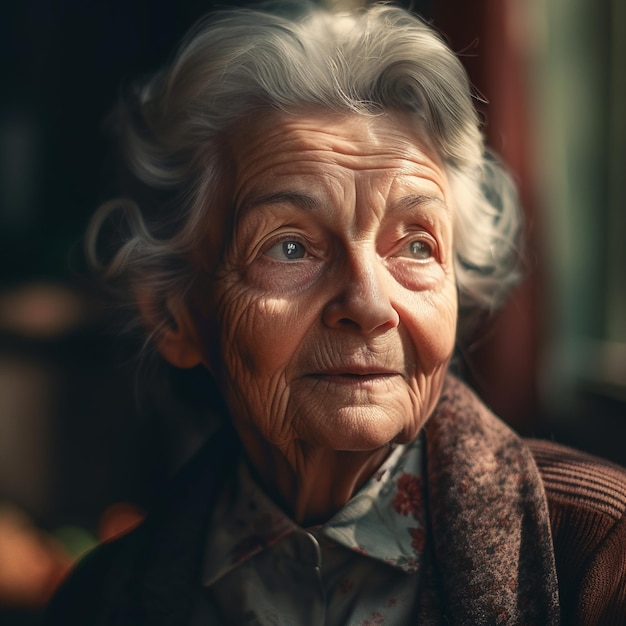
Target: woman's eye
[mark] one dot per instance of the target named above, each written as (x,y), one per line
(288,249)
(420,250)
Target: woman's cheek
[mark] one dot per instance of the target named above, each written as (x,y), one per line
(257,328)
(288,277)
(430,318)
(417,276)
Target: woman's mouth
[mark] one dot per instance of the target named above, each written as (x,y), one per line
(358,378)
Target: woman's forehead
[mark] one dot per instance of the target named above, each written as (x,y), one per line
(346,133)
(319,150)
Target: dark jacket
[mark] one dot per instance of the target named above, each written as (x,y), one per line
(520,532)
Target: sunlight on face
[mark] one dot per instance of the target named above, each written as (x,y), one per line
(334,313)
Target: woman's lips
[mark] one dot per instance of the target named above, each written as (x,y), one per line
(352,377)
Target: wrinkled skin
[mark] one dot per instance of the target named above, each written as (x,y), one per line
(332,317)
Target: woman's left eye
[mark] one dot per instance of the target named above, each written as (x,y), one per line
(419,249)
(286,250)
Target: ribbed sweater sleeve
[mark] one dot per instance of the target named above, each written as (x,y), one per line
(587,503)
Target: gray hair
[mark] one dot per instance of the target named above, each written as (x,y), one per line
(367,62)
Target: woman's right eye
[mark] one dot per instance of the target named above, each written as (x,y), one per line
(286,250)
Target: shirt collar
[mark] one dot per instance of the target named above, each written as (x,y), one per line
(383,521)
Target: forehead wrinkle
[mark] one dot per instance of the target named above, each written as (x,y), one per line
(357,161)
(326,146)
(309,190)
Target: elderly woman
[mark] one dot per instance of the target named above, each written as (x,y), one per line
(312,218)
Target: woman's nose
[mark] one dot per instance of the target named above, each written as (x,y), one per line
(362,299)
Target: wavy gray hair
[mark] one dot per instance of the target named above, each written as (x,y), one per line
(237,62)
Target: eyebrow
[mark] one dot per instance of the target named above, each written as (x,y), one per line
(309,203)
(300,200)
(416,200)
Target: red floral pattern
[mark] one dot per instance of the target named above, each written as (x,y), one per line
(408,499)
(418,539)
(375,619)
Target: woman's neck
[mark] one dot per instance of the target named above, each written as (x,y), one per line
(312,484)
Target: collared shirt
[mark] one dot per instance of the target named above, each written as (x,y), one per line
(361,567)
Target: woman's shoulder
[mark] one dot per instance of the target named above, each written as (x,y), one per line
(152,566)
(580,480)
(586,498)
(81,598)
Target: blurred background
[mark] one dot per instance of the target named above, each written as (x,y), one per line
(81,457)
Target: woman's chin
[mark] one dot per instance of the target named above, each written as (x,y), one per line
(358,429)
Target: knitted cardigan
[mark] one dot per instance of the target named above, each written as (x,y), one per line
(520,532)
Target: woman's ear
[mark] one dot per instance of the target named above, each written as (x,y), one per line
(176,341)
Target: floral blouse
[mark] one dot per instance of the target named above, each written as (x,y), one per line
(361,567)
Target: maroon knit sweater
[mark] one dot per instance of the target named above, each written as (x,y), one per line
(587,504)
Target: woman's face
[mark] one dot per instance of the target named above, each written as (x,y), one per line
(332,318)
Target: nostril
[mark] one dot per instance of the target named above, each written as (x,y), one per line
(346,321)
